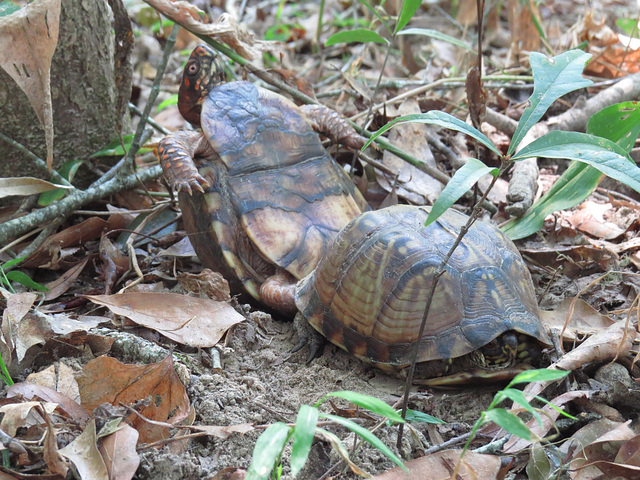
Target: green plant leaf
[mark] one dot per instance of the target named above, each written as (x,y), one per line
(23,279)
(374,12)
(442,119)
(573,187)
(303,437)
(7,7)
(68,171)
(267,450)
(370,403)
(409,8)
(366,435)
(115,148)
(518,397)
(11,263)
(539,375)
(460,183)
(417,416)
(361,35)
(427,32)
(509,422)
(619,123)
(172,100)
(598,152)
(552,78)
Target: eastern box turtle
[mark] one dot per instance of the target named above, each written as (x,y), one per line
(261,198)
(368,295)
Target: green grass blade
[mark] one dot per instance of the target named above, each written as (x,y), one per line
(417,416)
(539,375)
(23,279)
(370,403)
(303,437)
(598,152)
(552,78)
(427,32)
(518,397)
(509,422)
(409,8)
(361,35)
(267,450)
(460,183)
(366,435)
(442,119)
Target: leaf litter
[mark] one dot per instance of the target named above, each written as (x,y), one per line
(255,386)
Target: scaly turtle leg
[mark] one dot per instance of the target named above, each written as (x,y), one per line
(278,292)
(176,152)
(330,123)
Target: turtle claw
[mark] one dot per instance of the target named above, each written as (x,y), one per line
(307,335)
(195,183)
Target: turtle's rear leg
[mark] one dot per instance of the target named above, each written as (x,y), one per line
(307,335)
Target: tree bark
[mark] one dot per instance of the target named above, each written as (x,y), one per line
(89,89)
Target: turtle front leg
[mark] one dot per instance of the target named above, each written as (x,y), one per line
(330,123)
(176,152)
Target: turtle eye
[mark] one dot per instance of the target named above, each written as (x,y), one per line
(192,68)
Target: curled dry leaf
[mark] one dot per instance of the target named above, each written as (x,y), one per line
(225,29)
(206,283)
(440,465)
(613,453)
(83,453)
(197,322)
(119,453)
(25,186)
(39,392)
(23,415)
(105,379)
(585,320)
(29,37)
(602,346)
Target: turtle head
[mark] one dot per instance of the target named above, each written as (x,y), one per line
(203,72)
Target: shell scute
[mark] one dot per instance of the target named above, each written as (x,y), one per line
(369,294)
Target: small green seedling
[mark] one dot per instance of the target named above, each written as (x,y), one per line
(553,77)
(268,450)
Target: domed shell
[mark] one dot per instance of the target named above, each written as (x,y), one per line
(275,194)
(368,294)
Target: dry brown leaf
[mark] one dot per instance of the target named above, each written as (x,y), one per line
(589,218)
(19,304)
(59,377)
(48,254)
(64,281)
(29,37)
(585,320)
(23,415)
(25,186)
(83,453)
(225,29)
(197,322)
(600,347)
(207,283)
(602,453)
(440,465)
(119,453)
(30,391)
(105,379)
